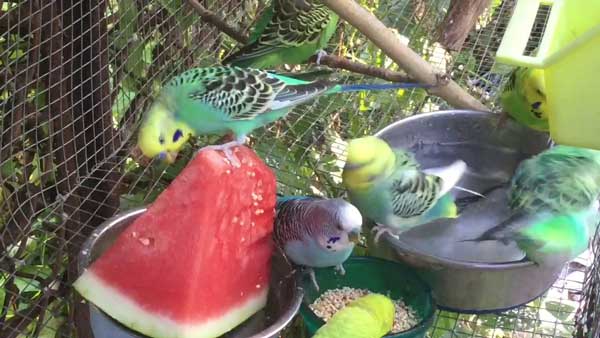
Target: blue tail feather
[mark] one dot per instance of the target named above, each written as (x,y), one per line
(382,86)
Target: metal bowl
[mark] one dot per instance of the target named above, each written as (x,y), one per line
(469,277)
(283,302)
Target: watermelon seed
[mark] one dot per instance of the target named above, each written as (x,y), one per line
(134,234)
(259,211)
(146,241)
(258,286)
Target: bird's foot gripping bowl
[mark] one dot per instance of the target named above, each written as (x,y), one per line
(395,280)
(282,304)
(467,276)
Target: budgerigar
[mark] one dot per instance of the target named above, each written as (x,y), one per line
(288,32)
(554,200)
(316,232)
(217,100)
(389,187)
(370,316)
(524,98)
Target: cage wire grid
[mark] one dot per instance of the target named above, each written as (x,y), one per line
(77,75)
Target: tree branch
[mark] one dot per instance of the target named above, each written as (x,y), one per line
(406,58)
(216,21)
(331,61)
(334,61)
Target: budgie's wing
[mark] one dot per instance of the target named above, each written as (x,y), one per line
(559,180)
(240,94)
(293,23)
(413,192)
(450,175)
(292,95)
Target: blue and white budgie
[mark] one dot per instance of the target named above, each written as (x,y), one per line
(553,197)
(388,186)
(316,232)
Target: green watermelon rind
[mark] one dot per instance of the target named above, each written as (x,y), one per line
(133,316)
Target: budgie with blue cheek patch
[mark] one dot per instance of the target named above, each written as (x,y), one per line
(388,186)
(218,100)
(288,32)
(524,98)
(316,232)
(553,197)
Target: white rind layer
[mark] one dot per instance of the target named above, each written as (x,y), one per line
(117,305)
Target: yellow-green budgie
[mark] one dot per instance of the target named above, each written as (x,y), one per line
(389,187)
(370,316)
(524,98)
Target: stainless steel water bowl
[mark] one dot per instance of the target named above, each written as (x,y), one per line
(282,305)
(467,276)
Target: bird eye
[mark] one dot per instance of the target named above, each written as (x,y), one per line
(161,139)
(178,134)
(536,105)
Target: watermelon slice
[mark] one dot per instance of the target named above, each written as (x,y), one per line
(197,262)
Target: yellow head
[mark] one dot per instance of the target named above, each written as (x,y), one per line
(535,93)
(161,135)
(524,98)
(368,158)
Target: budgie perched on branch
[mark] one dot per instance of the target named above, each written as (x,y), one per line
(316,232)
(388,186)
(288,32)
(524,98)
(554,200)
(217,100)
(370,316)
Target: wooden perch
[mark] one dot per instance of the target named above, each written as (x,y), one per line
(216,21)
(406,58)
(331,61)
(460,19)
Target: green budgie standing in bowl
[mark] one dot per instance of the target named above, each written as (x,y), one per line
(554,200)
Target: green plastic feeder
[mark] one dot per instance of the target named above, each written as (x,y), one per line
(394,279)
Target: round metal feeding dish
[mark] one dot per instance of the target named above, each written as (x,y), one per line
(468,276)
(283,301)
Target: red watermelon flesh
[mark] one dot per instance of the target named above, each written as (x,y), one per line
(197,262)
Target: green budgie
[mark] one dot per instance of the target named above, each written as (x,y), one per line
(288,32)
(217,100)
(370,316)
(554,199)
(388,186)
(524,98)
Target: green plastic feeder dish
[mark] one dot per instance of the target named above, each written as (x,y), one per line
(396,280)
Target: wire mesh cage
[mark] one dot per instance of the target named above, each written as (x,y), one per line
(76,77)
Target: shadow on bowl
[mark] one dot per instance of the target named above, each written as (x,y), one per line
(283,300)
(393,279)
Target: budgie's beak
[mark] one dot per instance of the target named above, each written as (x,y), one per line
(168,156)
(354,237)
